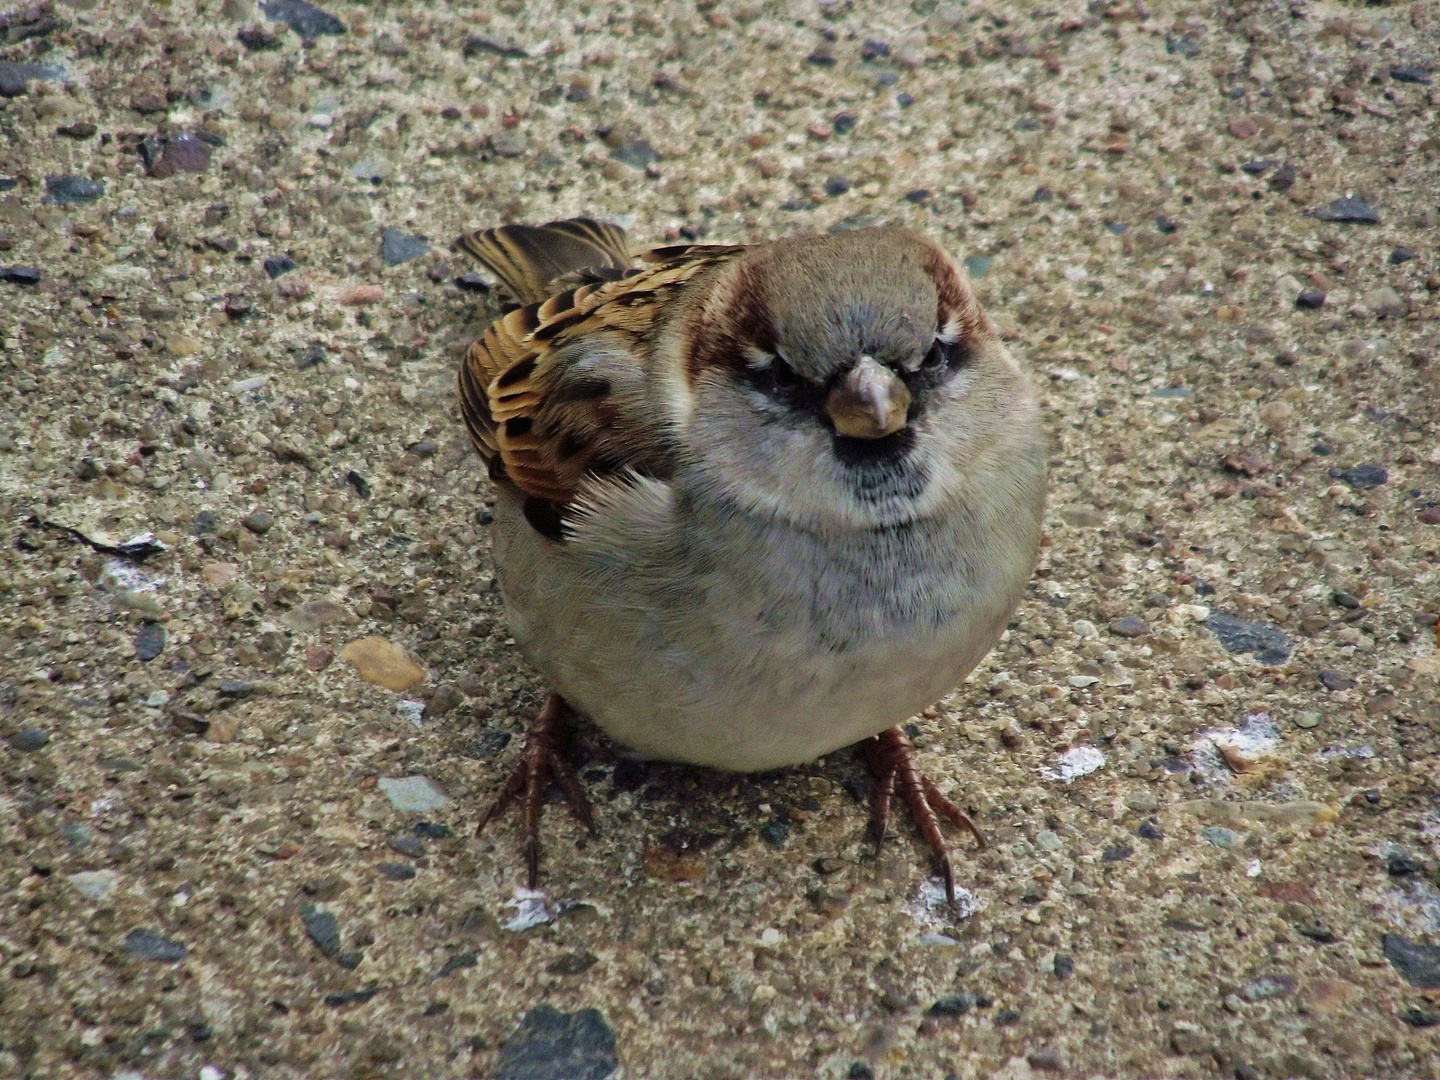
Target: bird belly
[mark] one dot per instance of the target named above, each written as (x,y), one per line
(754,663)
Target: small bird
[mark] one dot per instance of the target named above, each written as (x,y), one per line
(755,503)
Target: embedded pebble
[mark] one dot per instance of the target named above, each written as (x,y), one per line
(381,661)
(150,641)
(147,945)
(554,1045)
(413,794)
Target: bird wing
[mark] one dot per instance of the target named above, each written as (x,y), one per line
(556,392)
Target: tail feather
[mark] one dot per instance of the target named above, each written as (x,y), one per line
(529,258)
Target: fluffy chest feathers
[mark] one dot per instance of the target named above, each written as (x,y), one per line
(692,632)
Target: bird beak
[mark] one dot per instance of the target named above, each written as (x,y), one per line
(870,402)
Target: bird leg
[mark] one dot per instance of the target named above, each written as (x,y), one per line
(540,762)
(891,757)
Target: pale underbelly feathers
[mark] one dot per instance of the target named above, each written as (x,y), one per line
(798,648)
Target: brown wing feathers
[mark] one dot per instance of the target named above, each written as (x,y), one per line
(527,258)
(546,415)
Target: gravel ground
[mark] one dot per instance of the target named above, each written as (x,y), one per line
(1206,754)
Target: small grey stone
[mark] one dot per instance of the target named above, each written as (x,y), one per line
(1418,963)
(552,1045)
(304,18)
(276,265)
(397,247)
(1350,210)
(1220,836)
(28,740)
(413,794)
(150,641)
(1269,644)
(72,190)
(508,143)
(259,521)
(148,945)
(1362,477)
(20,275)
(322,928)
(1129,627)
(397,871)
(407,845)
(636,152)
(94,885)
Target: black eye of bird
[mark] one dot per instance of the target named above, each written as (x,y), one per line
(946,354)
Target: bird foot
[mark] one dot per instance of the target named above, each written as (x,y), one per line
(540,762)
(891,757)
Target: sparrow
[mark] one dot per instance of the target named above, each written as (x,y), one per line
(754,503)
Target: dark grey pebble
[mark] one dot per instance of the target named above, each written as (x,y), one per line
(1130,627)
(1335,680)
(431,830)
(1418,963)
(1310,300)
(1042,194)
(458,962)
(257,40)
(14,75)
(1345,600)
(1401,255)
(1318,932)
(1269,644)
(636,152)
(886,78)
(872,49)
(148,945)
(836,185)
(322,928)
(1149,831)
(205,522)
(823,56)
(1186,46)
(259,521)
(574,963)
(351,997)
(311,358)
(1164,225)
(488,745)
(235,689)
(552,1045)
(397,871)
(20,275)
(1411,73)
(81,129)
(1362,477)
(72,190)
(1350,210)
(397,247)
(359,483)
(1283,178)
(843,124)
(1064,966)
(1118,228)
(472,283)
(919,195)
(904,100)
(150,641)
(478,43)
(1006,1017)
(1117,853)
(29,740)
(1258,166)
(304,18)
(407,845)
(860,1070)
(1417,1017)
(775,832)
(1401,864)
(276,265)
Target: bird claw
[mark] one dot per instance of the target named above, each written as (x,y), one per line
(891,757)
(540,762)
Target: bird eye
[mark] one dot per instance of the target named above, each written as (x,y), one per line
(945,354)
(782,375)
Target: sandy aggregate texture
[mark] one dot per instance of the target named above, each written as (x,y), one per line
(1206,754)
